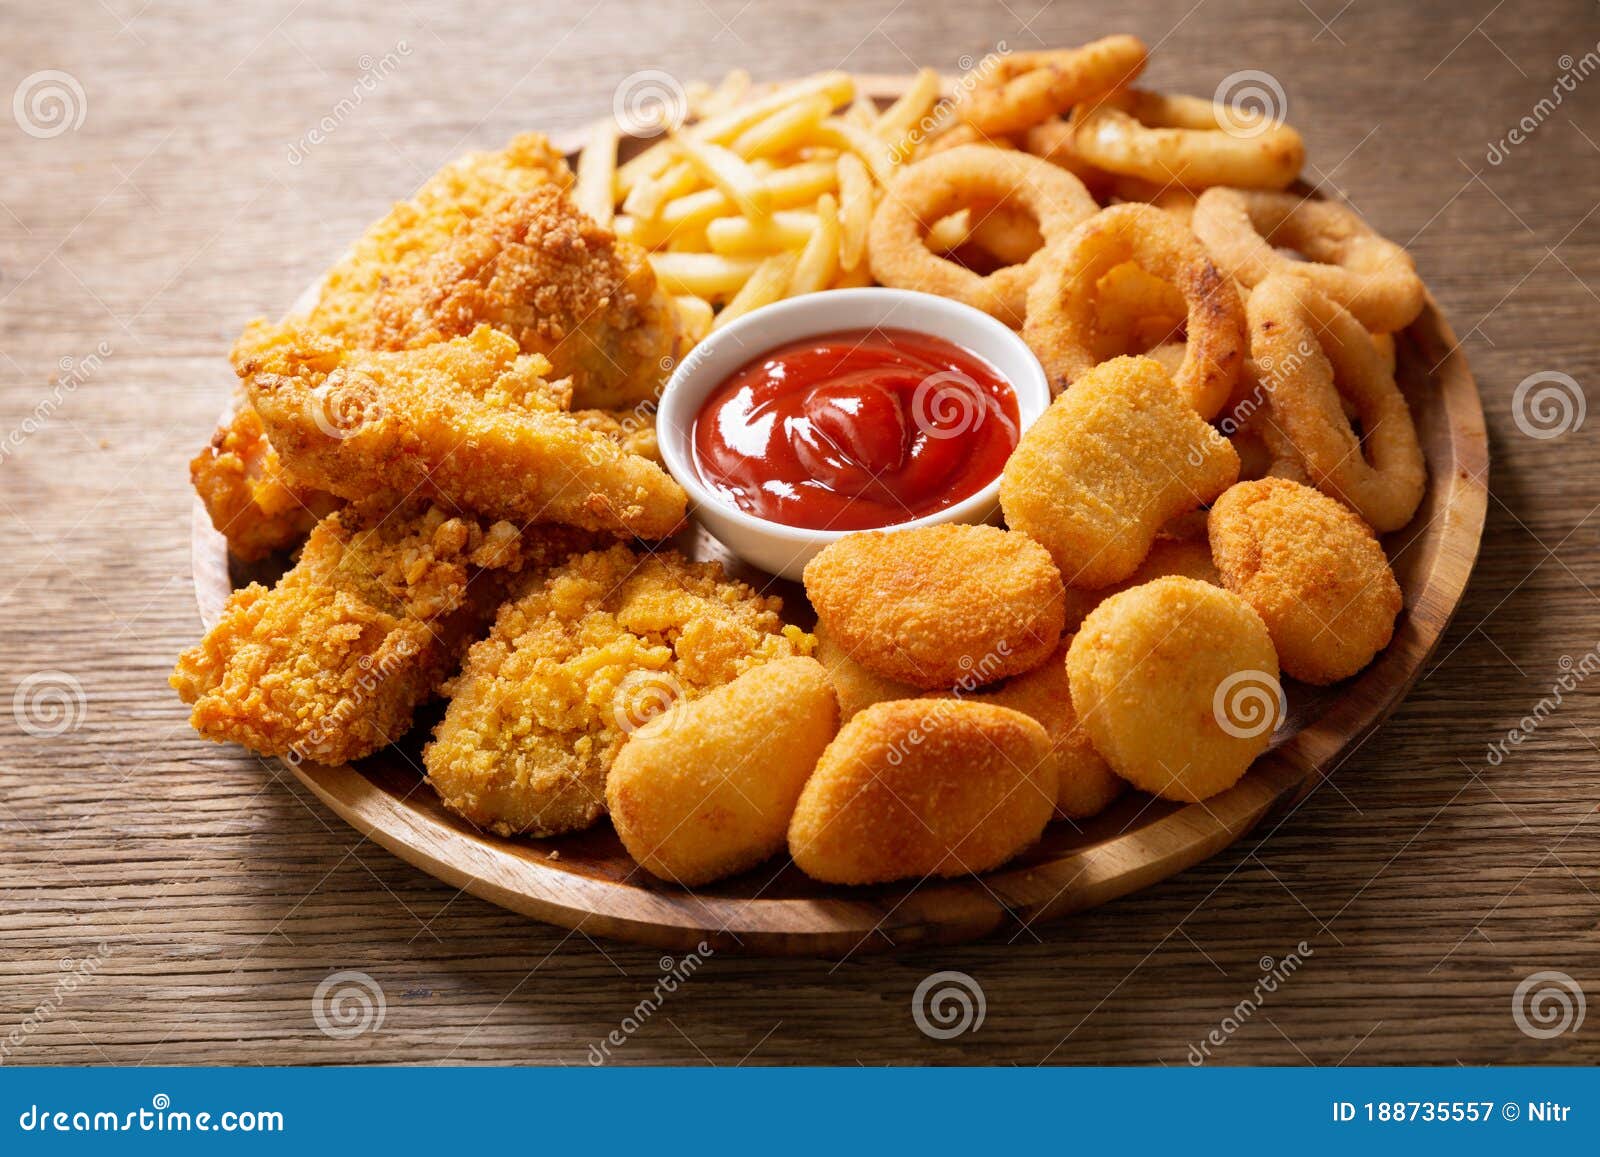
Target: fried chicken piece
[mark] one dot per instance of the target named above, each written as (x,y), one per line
(536,268)
(470,422)
(573,667)
(330,663)
(252,500)
(634,430)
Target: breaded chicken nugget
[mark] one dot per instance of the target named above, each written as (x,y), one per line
(1110,461)
(1189,557)
(470,422)
(939,606)
(855,686)
(1085,783)
(1313,571)
(706,789)
(1176,684)
(330,663)
(587,655)
(252,500)
(924,787)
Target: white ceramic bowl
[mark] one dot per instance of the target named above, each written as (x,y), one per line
(785,550)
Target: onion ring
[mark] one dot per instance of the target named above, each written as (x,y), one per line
(930,190)
(1311,354)
(1052,141)
(1061,320)
(1034,86)
(1186,140)
(1175,199)
(1367,274)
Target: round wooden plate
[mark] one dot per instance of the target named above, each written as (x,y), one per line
(588,883)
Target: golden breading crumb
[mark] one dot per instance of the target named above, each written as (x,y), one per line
(329,664)
(583,658)
(252,500)
(536,268)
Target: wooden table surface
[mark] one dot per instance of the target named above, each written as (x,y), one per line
(165,900)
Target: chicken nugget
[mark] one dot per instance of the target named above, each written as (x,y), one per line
(1313,571)
(1176,684)
(1189,557)
(586,655)
(939,606)
(707,788)
(855,686)
(924,787)
(1111,460)
(252,500)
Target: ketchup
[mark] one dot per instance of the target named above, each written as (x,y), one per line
(855,430)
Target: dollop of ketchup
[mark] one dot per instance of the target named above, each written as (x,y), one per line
(856,430)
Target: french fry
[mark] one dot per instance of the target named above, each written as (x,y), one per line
(766,285)
(707,275)
(861,113)
(855,210)
(645,199)
(796,185)
(626,228)
(705,101)
(646,166)
(597,172)
(726,170)
(857,278)
(898,126)
(720,129)
(785,230)
(695,315)
(784,131)
(819,260)
(849,138)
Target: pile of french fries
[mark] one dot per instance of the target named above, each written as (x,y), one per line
(760,195)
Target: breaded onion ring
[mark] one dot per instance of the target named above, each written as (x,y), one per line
(1186,140)
(1061,311)
(1029,87)
(1309,355)
(1368,275)
(1052,141)
(925,193)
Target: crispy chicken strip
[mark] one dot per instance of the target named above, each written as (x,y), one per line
(586,656)
(537,268)
(469,422)
(331,662)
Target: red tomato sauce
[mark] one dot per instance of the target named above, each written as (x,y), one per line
(855,430)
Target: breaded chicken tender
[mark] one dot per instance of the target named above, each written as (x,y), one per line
(584,657)
(939,606)
(252,500)
(1112,459)
(470,422)
(330,663)
(924,787)
(1176,684)
(855,686)
(1313,571)
(536,268)
(706,789)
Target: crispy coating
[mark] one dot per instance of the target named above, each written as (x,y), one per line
(1085,783)
(1176,684)
(584,657)
(470,422)
(252,500)
(924,787)
(855,686)
(1112,459)
(634,430)
(706,790)
(1189,557)
(329,664)
(536,268)
(1313,571)
(412,232)
(939,606)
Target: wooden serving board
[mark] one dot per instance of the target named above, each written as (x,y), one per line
(587,882)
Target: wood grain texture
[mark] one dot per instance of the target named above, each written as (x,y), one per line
(1424,880)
